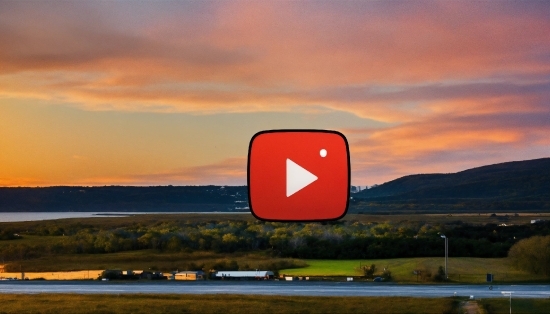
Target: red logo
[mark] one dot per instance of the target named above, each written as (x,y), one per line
(298,175)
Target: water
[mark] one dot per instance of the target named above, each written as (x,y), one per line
(36,216)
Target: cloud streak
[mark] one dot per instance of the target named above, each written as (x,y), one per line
(286,54)
(227,172)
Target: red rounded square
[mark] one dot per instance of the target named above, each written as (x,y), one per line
(298,175)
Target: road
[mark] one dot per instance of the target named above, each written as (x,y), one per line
(275,288)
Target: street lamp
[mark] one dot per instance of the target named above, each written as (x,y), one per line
(446,254)
(510,294)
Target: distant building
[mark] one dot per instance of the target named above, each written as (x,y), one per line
(152,275)
(245,275)
(189,275)
(357,188)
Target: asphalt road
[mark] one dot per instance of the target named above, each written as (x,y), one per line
(302,288)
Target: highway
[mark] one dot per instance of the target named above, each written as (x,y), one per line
(301,288)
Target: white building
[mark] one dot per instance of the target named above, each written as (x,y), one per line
(238,275)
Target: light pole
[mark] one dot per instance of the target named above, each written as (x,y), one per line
(510,294)
(446,254)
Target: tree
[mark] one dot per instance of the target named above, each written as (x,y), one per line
(532,254)
(174,244)
(386,274)
(368,271)
(440,276)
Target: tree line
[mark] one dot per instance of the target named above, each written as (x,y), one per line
(334,240)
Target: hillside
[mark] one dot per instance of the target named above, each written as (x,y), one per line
(124,199)
(514,186)
(518,186)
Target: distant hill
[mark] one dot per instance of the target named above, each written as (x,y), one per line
(518,186)
(510,186)
(124,199)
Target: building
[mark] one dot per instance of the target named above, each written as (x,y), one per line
(152,275)
(245,275)
(189,275)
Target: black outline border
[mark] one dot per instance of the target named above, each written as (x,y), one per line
(297,130)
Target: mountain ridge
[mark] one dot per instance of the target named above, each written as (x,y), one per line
(516,186)
(517,182)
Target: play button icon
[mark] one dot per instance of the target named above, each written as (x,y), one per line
(297,177)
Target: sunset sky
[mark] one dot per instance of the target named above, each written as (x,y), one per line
(158,93)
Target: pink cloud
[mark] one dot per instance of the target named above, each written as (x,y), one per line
(237,57)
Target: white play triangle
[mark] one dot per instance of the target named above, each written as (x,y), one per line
(297,177)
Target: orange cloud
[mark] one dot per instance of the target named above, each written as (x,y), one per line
(274,57)
(230,171)
(447,143)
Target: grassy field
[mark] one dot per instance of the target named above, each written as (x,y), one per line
(117,222)
(461,269)
(151,303)
(145,303)
(502,306)
(145,260)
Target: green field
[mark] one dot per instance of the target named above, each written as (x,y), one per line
(461,269)
(147,260)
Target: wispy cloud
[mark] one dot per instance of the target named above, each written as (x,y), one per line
(285,54)
(227,172)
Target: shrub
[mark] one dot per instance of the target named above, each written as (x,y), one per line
(532,254)
(440,276)
(368,271)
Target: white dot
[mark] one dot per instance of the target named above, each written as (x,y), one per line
(323,152)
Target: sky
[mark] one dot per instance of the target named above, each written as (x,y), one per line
(159,93)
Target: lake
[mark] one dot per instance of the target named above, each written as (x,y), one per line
(34,216)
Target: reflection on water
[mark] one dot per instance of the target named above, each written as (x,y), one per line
(11,217)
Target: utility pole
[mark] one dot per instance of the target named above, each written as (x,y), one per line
(510,294)
(446,255)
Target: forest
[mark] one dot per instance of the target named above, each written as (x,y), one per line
(346,239)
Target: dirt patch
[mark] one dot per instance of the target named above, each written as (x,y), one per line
(471,307)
